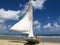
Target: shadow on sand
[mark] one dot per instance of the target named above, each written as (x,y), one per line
(17,41)
(25,43)
(29,44)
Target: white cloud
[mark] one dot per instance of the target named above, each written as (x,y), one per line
(36,22)
(9,14)
(53,27)
(37,25)
(47,26)
(38,4)
(56,25)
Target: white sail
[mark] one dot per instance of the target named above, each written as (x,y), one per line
(25,25)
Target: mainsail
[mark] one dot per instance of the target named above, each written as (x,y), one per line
(25,25)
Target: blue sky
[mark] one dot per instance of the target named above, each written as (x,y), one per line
(46,14)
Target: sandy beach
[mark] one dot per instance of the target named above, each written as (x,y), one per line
(9,40)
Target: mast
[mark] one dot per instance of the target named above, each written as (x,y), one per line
(31,18)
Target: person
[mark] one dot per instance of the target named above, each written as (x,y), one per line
(36,37)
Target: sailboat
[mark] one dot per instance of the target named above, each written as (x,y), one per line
(25,25)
